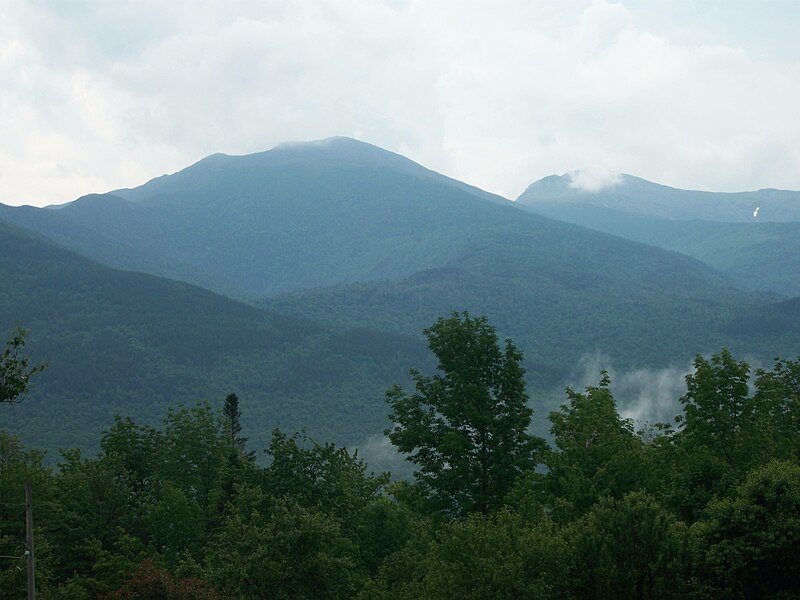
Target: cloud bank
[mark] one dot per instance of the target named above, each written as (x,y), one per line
(99,95)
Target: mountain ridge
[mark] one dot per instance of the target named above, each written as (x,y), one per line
(122,343)
(640,196)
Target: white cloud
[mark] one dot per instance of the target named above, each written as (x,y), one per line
(643,395)
(593,180)
(101,95)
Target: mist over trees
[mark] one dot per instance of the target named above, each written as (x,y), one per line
(705,507)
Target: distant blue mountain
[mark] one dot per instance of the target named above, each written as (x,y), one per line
(761,252)
(644,198)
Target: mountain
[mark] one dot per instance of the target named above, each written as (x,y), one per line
(641,197)
(134,344)
(758,253)
(643,309)
(297,216)
(348,235)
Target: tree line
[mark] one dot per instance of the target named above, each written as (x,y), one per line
(705,507)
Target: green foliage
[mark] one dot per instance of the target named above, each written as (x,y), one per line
(193,451)
(724,433)
(498,556)
(288,552)
(597,453)
(170,512)
(748,546)
(174,529)
(465,428)
(777,398)
(631,548)
(320,476)
(717,406)
(15,372)
(384,527)
(135,451)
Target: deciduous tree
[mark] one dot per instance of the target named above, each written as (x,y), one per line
(15,369)
(466,427)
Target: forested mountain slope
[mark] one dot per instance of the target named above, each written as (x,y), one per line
(361,236)
(133,344)
(294,217)
(561,298)
(759,253)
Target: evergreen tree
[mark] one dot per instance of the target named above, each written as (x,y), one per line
(232,416)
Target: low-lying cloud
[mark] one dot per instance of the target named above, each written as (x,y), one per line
(593,180)
(643,395)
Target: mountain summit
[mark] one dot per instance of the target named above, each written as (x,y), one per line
(320,156)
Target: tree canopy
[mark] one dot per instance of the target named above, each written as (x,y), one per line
(466,427)
(15,369)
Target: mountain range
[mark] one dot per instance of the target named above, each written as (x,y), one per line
(301,278)
(754,237)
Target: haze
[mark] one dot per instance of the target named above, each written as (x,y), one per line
(97,96)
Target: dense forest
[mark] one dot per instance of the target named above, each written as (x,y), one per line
(321,263)
(705,507)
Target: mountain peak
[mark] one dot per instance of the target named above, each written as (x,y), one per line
(578,182)
(213,176)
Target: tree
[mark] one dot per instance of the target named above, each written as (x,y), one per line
(465,428)
(286,551)
(597,454)
(15,372)
(233,427)
(748,546)
(777,402)
(496,556)
(718,440)
(627,548)
(320,476)
(193,451)
(716,406)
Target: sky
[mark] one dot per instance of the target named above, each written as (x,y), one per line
(98,95)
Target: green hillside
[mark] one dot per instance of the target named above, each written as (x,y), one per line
(133,344)
(347,235)
(761,255)
(295,217)
(364,237)
(559,298)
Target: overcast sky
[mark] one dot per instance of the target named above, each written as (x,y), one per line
(96,95)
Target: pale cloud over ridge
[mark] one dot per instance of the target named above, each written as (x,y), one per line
(106,95)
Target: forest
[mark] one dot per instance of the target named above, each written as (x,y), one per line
(707,506)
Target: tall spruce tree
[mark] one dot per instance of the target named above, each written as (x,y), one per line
(466,427)
(233,426)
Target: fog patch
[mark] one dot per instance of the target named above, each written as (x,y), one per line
(380,456)
(643,395)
